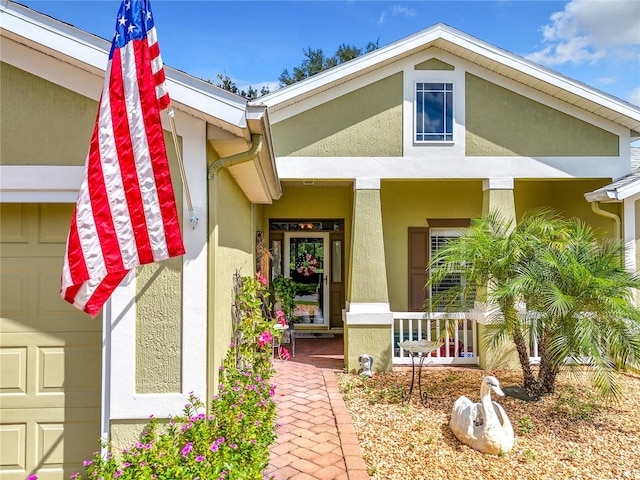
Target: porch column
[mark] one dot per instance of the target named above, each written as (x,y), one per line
(368,319)
(497,196)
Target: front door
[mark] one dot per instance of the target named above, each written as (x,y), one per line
(307,257)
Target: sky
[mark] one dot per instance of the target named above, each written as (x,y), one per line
(596,42)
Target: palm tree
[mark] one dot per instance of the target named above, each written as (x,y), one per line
(550,281)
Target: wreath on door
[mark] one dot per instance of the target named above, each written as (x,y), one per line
(306,264)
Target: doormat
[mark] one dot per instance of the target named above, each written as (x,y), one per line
(314,335)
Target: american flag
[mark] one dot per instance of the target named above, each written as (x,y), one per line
(125,215)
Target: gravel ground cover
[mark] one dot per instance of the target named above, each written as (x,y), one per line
(569,435)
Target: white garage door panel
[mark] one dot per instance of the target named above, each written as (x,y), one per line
(50,353)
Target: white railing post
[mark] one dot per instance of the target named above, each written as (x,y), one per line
(427,326)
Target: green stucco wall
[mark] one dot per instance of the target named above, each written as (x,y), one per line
(232,229)
(567,197)
(433,64)
(503,357)
(159,312)
(365,122)
(125,433)
(500,201)
(500,122)
(409,204)
(159,327)
(57,122)
(367,266)
(374,340)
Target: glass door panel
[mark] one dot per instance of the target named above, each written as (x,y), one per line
(307,264)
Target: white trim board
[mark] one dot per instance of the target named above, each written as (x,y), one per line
(125,403)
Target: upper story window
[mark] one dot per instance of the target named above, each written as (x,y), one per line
(434,112)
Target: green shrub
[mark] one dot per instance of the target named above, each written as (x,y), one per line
(232,440)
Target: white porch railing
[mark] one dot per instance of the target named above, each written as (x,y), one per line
(460,337)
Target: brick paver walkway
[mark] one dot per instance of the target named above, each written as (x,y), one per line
(316,438)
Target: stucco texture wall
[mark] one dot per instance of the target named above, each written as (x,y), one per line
(370,339)
(500,122)
(233,227)
(567,197)
(159,311)
(409,204)
(57,121)
(365,122)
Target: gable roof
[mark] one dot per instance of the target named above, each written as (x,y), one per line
(89,52)
(471,49)
(623,187)
(76,60)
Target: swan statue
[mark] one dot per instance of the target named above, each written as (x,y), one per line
(483,426)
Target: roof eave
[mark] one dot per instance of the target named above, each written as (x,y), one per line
(619,111)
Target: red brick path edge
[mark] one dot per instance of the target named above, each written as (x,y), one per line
(316,438)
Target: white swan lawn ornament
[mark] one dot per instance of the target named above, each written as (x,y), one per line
(483,426)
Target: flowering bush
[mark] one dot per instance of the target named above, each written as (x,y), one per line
(232,440)
(285,290)
(254,328)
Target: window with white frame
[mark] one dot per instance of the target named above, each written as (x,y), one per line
(438,239)
(433,112)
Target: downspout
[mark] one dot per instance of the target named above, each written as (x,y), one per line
(256,146)
(595,206)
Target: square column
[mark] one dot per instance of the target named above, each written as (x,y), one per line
(368,319)
(497,196)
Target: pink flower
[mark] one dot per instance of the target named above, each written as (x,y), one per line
(264,338)
(187,448)
(280,317)
(32,477)
(199,458)
(214,446)
(261,279)
(284,354)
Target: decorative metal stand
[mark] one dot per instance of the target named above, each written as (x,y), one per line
(277,343)
(418,349)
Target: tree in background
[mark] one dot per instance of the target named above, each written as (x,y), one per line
(550,281)
(225,82)
(316,62)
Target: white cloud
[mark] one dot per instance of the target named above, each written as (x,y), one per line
(397,11)
(590,30)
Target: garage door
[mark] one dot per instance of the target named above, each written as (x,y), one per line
(50,353)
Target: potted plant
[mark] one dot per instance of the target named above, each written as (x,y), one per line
(285,290)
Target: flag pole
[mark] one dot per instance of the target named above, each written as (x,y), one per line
(193,218)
